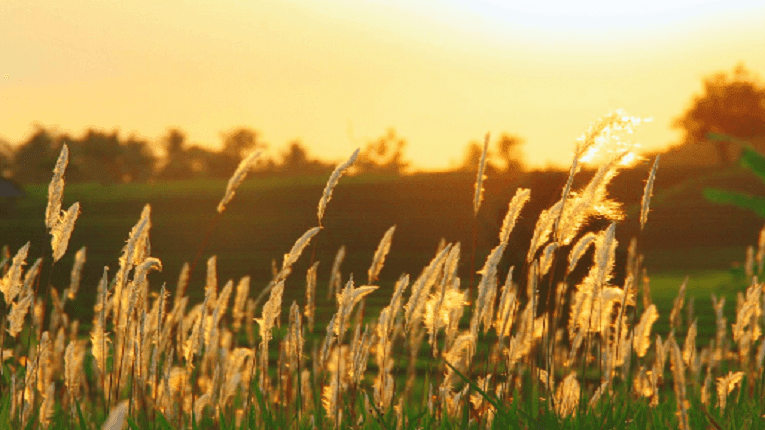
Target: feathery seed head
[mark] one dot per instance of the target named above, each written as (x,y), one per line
(421,289)
(297,249)
(642,338)
(725,385)
(332,182)
(271,311)
(242,291)
(212,279)
(379,259)
(335,276)
(480,176)
(647,193)
(580,248)
(310,293)
(18,312)
(56,189)
(347,299)
(62,231)
(514,208)
(11,284)
(74,284)
(237,178)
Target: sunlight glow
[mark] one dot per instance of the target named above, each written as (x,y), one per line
(338,74)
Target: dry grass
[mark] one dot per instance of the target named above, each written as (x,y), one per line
(161,360)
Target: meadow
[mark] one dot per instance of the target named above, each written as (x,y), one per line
(495,302)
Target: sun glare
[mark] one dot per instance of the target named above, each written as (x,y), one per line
(591,16)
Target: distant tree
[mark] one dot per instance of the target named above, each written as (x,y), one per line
(240,141)
(34,159)
(297,161)
(205,162)
(472,159)
(296,156)
(6,159)
(177,162)
(97,157)
(732,106)
(384,155)
(102,157)
(174,142)
(138,161)
(508,149)
(237,143)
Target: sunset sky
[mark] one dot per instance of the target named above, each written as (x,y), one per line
(337,74)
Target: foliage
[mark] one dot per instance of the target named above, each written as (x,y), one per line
(34,160)
(755,162)
(507,149)
(732,105)
(296,160)
(384,155)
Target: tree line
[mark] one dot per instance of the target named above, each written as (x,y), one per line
(107,158)
(730,113)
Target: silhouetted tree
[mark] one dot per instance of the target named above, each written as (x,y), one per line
(237,144)
(296,161)
(34,159)
(295,157)
(240,141)
(102,157)
(205,162)
(6,159)
(733,106)
(385,155)
(508,149)
(138,161)
(97,157)
(472,159)
(177,163)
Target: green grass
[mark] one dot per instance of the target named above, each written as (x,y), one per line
(664,289)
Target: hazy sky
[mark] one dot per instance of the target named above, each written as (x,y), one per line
(337,74)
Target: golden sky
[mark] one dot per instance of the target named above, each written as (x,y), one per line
(337,74)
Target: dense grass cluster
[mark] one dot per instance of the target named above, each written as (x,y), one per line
(532,349)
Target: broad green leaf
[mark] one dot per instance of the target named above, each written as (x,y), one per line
(742,200)
(755,161)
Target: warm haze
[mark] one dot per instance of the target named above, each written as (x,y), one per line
(337,74)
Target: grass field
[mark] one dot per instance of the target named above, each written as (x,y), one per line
(268,210)
(188,360)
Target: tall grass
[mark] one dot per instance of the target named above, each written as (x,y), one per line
(581,357)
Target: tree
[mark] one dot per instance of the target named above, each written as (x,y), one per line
(177,163)
(96,157)
(174,142)
(732,106)
(240,141)
(6,159)
(237,144)
(384,155)
(472,159)
(296,157)
(508,149)
(137,161)
(296,161)
(34,159)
